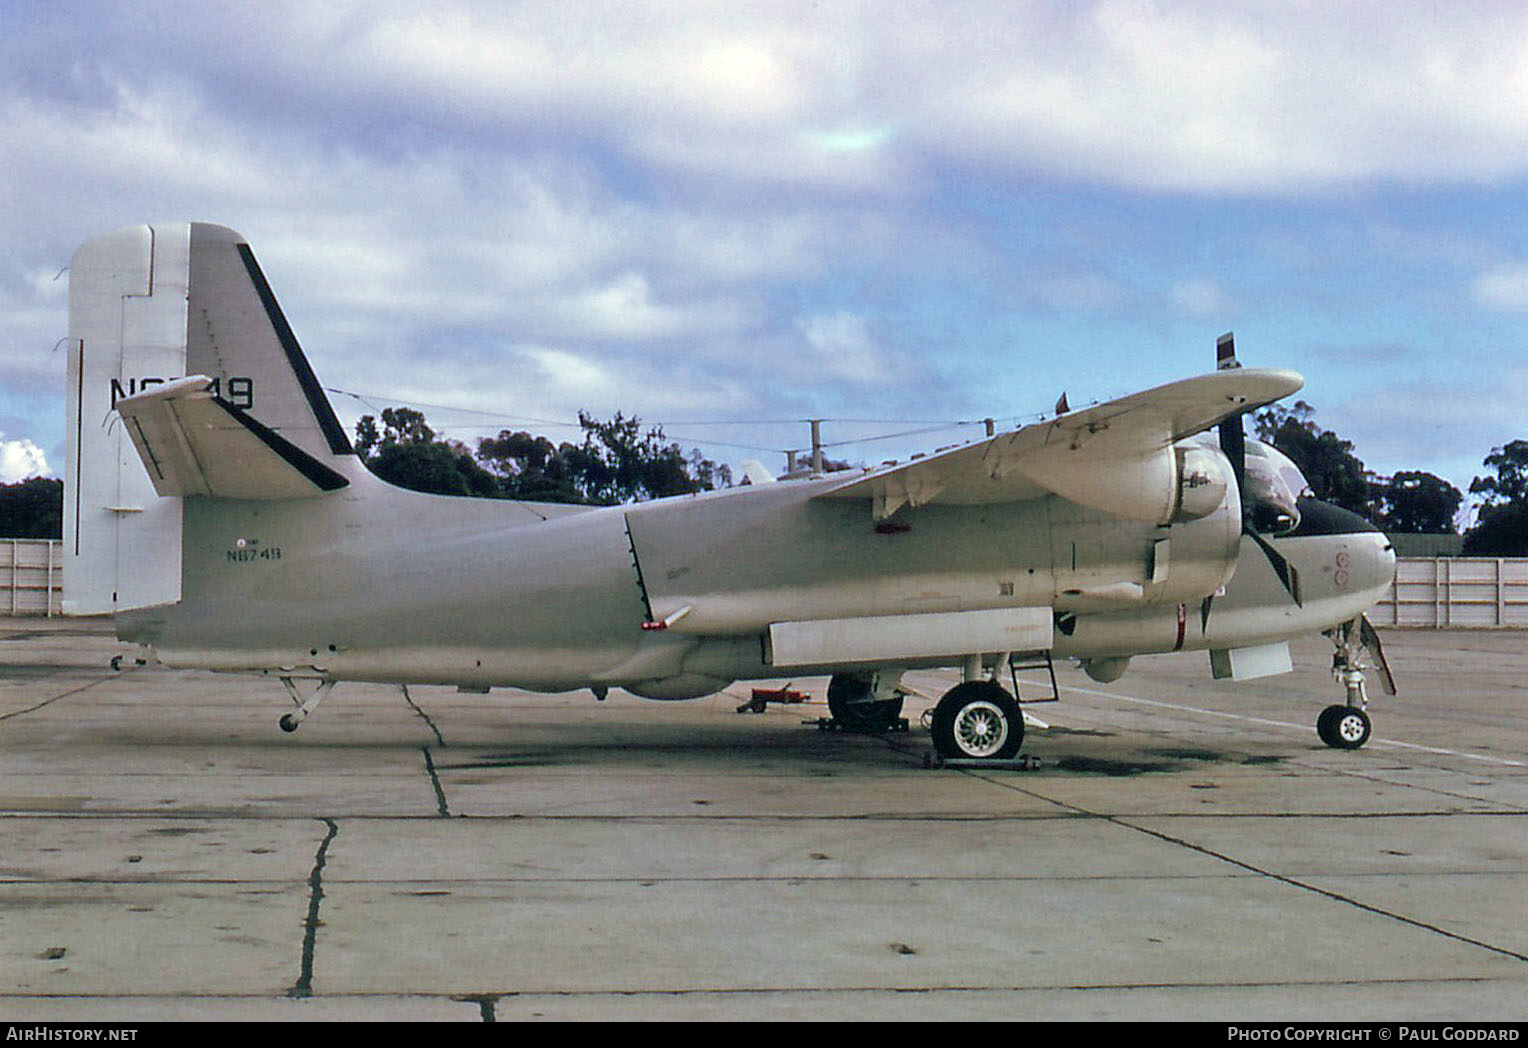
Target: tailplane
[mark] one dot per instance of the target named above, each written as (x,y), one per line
(184,380)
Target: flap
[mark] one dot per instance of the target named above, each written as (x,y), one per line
(193,442)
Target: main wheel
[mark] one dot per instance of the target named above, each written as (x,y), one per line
(977,720)
(1343,727)
(850,703)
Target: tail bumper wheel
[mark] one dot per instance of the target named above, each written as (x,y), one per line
(977,720)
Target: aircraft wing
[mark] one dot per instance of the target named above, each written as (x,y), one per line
(193,442)
(1117,456)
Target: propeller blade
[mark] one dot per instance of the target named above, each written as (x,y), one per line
(1233,443)
(1233,436)
(1225,352)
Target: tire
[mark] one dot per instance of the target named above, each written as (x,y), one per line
(1350,729)
(977,720)
(852,708)
(1325,722)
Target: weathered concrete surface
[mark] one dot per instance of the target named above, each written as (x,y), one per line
(1185,849)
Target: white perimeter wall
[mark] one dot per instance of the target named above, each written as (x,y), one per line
(31,576)
(1470,592)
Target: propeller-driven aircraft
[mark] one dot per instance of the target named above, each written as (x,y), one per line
(215,506)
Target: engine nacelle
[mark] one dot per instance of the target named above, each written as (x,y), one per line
(1204,478)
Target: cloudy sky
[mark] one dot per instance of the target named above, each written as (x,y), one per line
(723,217)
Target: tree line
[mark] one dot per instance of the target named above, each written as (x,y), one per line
(1412,501)
(618,461)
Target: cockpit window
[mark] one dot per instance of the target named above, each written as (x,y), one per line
(1274,485)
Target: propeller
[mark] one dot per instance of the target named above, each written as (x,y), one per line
(1233,443)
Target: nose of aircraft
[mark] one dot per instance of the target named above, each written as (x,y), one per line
(1370,557)
(1374,567)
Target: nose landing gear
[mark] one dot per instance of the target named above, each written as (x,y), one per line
(1347,727)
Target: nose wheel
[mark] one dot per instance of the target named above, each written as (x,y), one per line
(1343,727)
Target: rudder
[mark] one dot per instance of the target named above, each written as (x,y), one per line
(127,330)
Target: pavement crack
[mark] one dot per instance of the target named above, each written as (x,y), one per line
(441,807)
(1260,871)
(1325,892)
(304,985)
(55,698)
(440,739)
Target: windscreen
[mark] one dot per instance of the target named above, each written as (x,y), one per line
(1274,484)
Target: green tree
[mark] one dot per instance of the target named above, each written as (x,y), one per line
(1417,503)
(32,509)
(407,453)
(1510,485)
(1336,475)
(1501,529)
(530,467)
(617,461)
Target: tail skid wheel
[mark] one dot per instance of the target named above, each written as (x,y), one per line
(290,722)
(977,720)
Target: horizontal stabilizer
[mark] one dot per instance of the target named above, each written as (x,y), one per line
(193,442)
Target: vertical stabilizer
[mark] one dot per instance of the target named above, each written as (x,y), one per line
(149,306)
(127,332)
(238,335)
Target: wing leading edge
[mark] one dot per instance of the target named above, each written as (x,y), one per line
(193,442)
(1116,456)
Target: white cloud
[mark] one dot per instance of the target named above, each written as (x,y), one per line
(1250,97)
(1504,287)
(843,347)
(1200,297)
(20,459)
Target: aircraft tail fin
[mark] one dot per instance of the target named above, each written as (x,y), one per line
(184,381)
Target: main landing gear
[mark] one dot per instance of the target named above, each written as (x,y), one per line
(977,720)
(980,721)
(869,703)
(1347,726)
